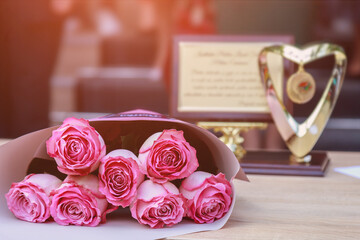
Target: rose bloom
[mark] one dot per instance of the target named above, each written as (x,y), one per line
(79,202)
(157,204)
(167,156)
(76,147)
(209,196)
(119,177)
(29,199)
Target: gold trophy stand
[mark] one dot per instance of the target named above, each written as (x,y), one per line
(231,133)
(300,138)
(266,162)
(282,162)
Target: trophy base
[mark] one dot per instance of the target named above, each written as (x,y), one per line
(281,163)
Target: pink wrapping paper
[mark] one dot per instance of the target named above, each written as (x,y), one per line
(130,129)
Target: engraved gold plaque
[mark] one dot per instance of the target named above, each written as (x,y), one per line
(300,138)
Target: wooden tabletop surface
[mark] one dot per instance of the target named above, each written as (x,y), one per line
(284,207)
(288,207)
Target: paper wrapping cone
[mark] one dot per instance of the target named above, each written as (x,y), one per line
(129,129)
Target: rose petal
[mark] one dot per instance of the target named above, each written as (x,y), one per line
(193,182)
(79,202)
(209,196)
(167,156)
(148,190)
(29,199)
(158,205)
(45,181)
(119,176)
(149,142)
(76,147)
(89,182)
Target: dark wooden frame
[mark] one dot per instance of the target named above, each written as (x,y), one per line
(223,116)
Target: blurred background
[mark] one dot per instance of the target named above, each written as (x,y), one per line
(61,58)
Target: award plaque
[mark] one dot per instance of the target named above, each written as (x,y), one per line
(216,78)
(300,138)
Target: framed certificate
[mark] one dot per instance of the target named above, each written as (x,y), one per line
(216,78)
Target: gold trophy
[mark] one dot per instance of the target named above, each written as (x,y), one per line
(300,138)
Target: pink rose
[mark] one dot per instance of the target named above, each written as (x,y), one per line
(119,177)
(76,147)
(157,205)
(167,156)
(29,199)
(79,202)
(209,196)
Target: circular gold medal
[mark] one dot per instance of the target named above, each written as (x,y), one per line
(300,87)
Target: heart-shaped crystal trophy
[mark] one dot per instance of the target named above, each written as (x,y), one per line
(300,138)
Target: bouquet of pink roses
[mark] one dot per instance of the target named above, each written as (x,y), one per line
(161,176)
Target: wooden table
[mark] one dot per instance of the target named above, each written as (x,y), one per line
(282,207)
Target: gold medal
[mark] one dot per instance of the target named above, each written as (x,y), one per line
(300,86)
